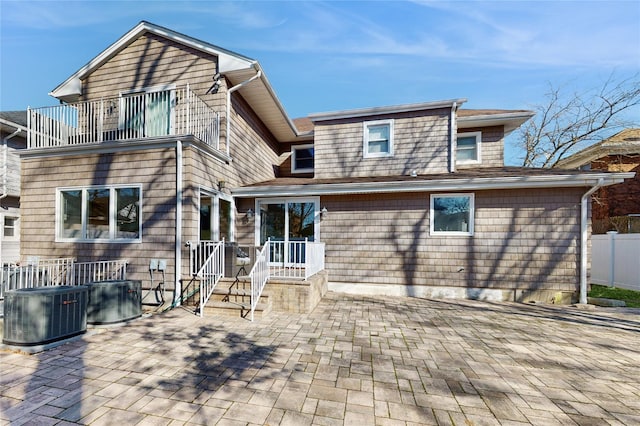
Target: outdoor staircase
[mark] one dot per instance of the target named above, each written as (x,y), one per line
(232,297)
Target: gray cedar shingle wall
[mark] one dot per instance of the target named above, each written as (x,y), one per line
(154,169)
(492,146)
(420,142)
(524,239)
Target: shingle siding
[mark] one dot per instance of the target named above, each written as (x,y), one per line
(421,143)
(153,169)
(519,242)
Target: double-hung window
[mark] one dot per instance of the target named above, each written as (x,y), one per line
(99,213)
(302,158)
(10,229)
(378,138)
(451,214)
(468,148)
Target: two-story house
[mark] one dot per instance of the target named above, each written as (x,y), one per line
(163,140)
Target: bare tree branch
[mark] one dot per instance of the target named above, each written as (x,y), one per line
(563,125)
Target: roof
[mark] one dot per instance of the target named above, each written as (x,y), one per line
(393,109)
(235,67)
(13,120)
(626,142)
(463,180)
(510,119)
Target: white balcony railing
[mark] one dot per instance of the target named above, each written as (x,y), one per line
(140,115)
(210,273)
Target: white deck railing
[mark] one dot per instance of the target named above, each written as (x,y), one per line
(210,273)
(296,259)
(259,275)
(176,111)
(63,271)
(36,273)
(86,272)
(199,252)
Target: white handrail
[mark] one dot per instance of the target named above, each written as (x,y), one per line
(210,273)
(259,275)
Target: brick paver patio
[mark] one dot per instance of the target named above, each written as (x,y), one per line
(354,360)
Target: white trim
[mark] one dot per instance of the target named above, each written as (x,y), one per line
(393,109)
(294,149)
(470,225)
(478,137)
(112,212)
(365,138)
(316,215)
(467,184)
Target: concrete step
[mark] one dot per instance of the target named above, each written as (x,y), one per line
(231,309)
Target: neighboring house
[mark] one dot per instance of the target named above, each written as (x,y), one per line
(13,131)
(615,208)
(163,139)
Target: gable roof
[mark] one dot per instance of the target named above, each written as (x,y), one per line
(626,142)
(235,67)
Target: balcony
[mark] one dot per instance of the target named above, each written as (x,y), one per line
(134,116)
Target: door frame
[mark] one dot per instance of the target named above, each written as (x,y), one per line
(316,215)
(215,196)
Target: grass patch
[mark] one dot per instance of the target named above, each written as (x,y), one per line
(630,297)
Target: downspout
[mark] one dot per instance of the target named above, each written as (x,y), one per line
(228,112)
(583,240)
(177,295)
(453,138)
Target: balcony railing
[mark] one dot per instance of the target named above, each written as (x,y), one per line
(138,115)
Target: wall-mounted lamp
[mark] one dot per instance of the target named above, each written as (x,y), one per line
(250,214)
(221,185)
(323,212)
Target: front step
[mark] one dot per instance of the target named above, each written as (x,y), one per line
(233,299)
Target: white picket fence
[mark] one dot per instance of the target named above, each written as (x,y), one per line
(615,260)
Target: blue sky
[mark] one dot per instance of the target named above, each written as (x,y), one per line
(336,55)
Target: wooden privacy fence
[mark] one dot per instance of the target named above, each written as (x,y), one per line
(615,260)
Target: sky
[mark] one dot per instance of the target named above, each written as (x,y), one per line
(323,56)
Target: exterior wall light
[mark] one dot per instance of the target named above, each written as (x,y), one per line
(323,212)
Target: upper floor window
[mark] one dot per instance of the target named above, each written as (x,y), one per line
(451,214)
(468,148)
(378,138)
(99,213)
(302,158)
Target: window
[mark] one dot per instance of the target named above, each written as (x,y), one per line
(10,230)
(451,214)
(378,138)
(302,159)
(99,214)
(468,148)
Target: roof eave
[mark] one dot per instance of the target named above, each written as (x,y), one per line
(469,184)
(394,109)
(510,120)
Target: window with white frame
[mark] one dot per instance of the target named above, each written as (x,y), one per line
(302,158)
(378,138)
(451,214)
(99,213)
(10,229)
(468,148)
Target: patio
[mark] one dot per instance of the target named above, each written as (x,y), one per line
(353,360)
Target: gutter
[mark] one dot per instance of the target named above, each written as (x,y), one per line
(584,229)
(228,106)
(449,184)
